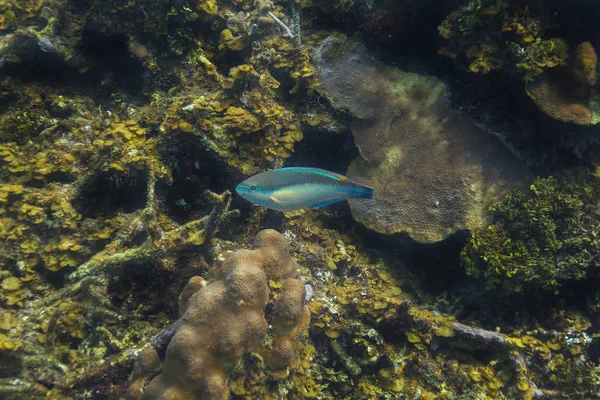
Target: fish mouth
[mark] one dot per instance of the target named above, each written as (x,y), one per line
(242,189)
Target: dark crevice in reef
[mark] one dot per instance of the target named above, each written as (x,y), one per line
(29,63)
(194,170)
(109,194)
(147,284)
(436,265)
(55,278)
(114,68)
(325,149)
(10,365)
(60,177)
(80,6)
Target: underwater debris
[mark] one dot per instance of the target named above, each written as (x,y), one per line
(288,32)
(434,171)
(224,319)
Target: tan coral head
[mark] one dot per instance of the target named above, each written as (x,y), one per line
(225,319)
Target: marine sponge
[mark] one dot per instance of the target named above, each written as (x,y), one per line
(434,171)
(224,319)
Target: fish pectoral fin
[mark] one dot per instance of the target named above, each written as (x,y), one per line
(326,203)
(274,199)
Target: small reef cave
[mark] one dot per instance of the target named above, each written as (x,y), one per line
(194,170)
(10,365)
(108,65)
(55,278)
(149,284)
(324,148)
(114,68)
(29,63)
(112,193)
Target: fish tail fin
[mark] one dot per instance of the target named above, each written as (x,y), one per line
(362,191)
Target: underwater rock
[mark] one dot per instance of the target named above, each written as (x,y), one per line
(434,171)
(225,319)
(569,96)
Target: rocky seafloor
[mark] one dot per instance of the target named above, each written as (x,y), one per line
(129,268)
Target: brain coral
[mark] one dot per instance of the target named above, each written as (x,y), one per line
(225,319)
(434,171)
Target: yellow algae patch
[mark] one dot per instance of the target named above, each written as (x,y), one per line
(11,284)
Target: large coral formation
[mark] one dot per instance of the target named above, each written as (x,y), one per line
(541,238)
(224,319)
(585,63)
(434,171)
(569,95)
(508,36)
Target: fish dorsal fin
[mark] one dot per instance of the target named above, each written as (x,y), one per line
(326,203)
(317,171)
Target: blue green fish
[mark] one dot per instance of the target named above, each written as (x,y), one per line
(293,188)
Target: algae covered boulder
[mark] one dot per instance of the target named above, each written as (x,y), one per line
(434,170)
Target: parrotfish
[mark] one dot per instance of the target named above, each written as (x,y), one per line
(293,188)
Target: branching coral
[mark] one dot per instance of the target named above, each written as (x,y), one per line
(540,238)
(433,171)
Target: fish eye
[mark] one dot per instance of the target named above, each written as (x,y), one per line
(252,187)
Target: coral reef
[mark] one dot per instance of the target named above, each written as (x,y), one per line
(124,124)
(569,95)
(509,36)
(541,238)
(499,34)
(434,171)
(223,320)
